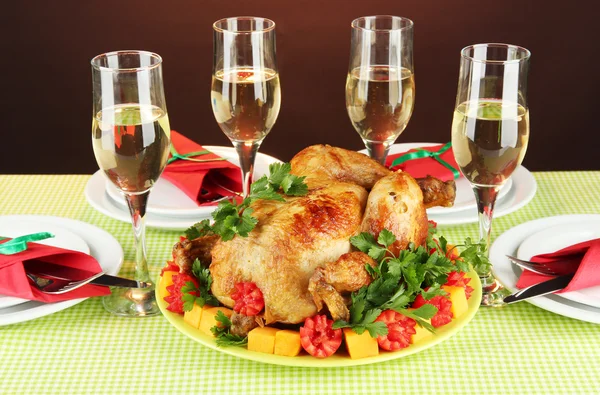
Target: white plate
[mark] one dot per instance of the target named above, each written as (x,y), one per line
(62,238)
(168,200)
(558,237)
(465,198)
(522,191)
(102,245)
(508,274)
(95,193)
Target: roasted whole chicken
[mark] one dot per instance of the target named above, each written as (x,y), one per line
(299,254)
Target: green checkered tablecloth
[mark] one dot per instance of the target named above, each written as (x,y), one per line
(83,349)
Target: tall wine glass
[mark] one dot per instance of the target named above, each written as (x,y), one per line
(245,92)
(130,136)
(380,87)
(490,131)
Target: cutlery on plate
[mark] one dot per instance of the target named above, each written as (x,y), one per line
(543,288)
(57,286)
(556,268)
(63,273)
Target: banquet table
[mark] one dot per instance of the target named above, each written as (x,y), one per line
(83,349)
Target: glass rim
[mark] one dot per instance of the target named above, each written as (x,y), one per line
(409,23)
(152,55)
(526,54)
(270,23)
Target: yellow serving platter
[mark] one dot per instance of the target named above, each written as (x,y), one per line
(340,358)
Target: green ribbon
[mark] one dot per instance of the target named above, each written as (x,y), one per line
(422,153)
(19,244)
(177,156)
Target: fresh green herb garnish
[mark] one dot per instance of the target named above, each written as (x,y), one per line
(205,281)
(223,334)
(232,219)
(397,280)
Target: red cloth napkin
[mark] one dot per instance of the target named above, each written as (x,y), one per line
(419,168)
(201,181)
(14,282)
(585,255)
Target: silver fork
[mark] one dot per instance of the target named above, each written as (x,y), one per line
(56,286)
(548,269)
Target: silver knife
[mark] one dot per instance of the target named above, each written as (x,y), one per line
(60,272)
(543,288)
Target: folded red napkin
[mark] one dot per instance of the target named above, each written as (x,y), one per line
(14,282)
(585,256)
(420,167)
(201,181)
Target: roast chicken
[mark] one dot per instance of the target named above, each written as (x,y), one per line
(299,254)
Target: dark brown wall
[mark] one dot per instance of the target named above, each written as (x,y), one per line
(46,88)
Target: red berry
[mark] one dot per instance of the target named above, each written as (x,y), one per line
(248,298)
(174,298)
(458,279)
(318,337)
(443,304)
(171,267)
(400,330)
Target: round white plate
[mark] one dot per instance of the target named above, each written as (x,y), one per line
(168,200)
(62,238)
(465,198)
(102,246)
(508,274)
(95,193)
(523,190)
(558,237)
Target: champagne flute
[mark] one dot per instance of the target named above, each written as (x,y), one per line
(130,136)
(380,87)
(245,91)
(490,132)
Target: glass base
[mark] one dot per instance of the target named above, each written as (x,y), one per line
(131,302)
(493,293)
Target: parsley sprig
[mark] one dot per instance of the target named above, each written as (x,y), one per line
(203,290)
(232,219)
(223,332)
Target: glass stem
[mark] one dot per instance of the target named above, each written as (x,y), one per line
(486,200)
(246,151)
(378,150)
(137,209)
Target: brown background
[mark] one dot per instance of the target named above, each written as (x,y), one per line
(46,82)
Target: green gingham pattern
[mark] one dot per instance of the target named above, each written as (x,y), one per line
(83,349)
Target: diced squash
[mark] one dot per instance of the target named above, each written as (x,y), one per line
(165,281)
(458,299)
(207,320)
(421,333)
(193,316)
(287,343)
(360,346)
(262,339)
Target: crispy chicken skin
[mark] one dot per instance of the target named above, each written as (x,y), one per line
(289,242)
(396,204)
(307,235)
(323,163)
(347,274)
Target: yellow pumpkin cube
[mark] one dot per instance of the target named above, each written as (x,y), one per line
(207,320)
(360,346)
(458,299)
(421,333)
(262,339)
(194,316)
(165,281)
(287,343)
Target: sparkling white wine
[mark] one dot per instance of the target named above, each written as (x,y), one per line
(489,139)
(131,144)
(380,101)
(246,102)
